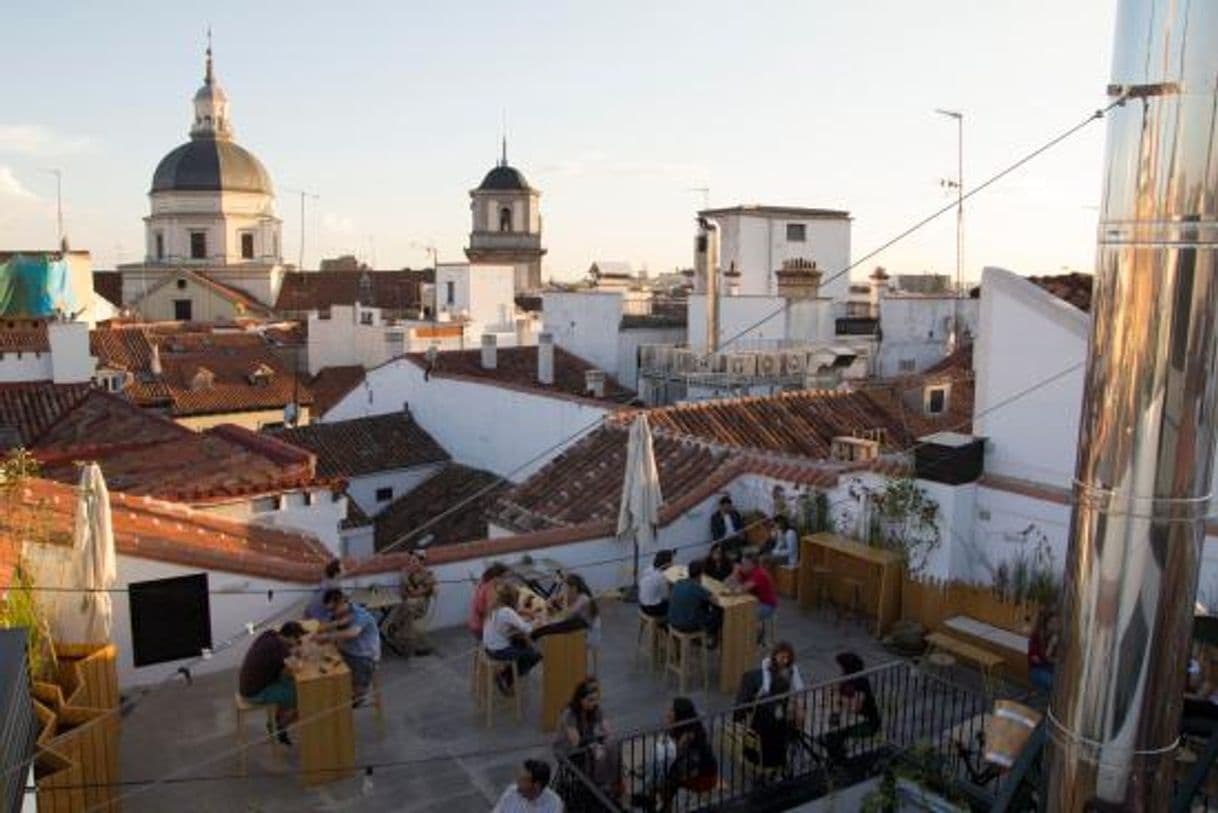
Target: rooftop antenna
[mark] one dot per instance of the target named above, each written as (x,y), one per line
(303,194)
(503,138)
(208,77)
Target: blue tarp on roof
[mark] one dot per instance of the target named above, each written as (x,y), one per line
(36,285)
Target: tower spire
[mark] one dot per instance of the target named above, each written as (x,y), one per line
(503,137)
(208,77)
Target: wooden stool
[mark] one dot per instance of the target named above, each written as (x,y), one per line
(488,691)
(854,588)
(244,706)
(820,585)
(679,656)
(652,630)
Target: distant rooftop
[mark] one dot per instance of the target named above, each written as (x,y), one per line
(790,212)
(393,291)
(459,494)
(1074,288)
(331,385)
(517,367)
(361,446)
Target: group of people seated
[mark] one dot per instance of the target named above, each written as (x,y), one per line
(508,627)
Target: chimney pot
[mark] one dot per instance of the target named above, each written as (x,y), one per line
(490,351)
(545,358)
(594,383)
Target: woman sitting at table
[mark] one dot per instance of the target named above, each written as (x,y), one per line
(783,549)
(506,637)
(765,707)
(583,736)
(578,610)
(855,699)
(717,565)
(265,678)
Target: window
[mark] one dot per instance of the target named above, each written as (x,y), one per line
(936,400)
(365,317)
(182,310)
(181,285)
(907,365)
(198,245)
(505,219)
(797,232)
(384,494)
(450,292)
(160,245)
(247,246)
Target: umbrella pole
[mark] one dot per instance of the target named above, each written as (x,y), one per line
(630,593)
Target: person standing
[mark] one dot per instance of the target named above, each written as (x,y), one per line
(265,678)
(727,526)
(765,703)
(358,637)
(530,792)
(583,735)
(856,698)
(404,629)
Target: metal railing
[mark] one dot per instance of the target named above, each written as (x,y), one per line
(784,750)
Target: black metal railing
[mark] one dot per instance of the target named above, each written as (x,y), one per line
(784,750)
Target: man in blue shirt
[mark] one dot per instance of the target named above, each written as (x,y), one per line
(358,636)
(690,608)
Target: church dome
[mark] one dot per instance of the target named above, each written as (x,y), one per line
(504,178)
(211,165)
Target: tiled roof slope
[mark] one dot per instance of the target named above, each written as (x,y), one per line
(27,410)
(229,361)
(366,445)
(584,483)
(796,423)
(109,286)
(1074,288)
(331,385)
(392,291)
(24,335)
(517,367)
(446,491)
(165,532)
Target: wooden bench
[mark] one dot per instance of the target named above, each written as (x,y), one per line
(1012,646)
(983,659)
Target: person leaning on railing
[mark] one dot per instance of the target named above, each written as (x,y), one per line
(693,766)
(854,698)
(582,735)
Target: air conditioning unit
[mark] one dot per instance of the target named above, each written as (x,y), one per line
(684,361)
(742,364)
(769,365)
(718,362)
(794,362)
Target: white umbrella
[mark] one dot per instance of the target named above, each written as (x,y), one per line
(641,497)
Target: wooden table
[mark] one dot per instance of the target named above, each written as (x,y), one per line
(738,639)
(880,572)
(377,598)
(564,664)
(326,729)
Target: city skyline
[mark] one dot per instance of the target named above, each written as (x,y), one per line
(619,116)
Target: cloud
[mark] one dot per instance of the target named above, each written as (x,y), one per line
(12,188)
(40,141)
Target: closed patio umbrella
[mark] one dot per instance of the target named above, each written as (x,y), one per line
(639,513)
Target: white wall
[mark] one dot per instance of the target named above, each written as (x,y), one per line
(481,425)
(321,519)
(358,543)
(483,294)
(24,366)
(917,328)
(758,245)
(363,489)
(762,322)
(71,362)
(1027,336)
(585,323)
(229,615)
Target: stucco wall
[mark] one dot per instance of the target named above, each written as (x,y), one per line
(916,329)
(363,489)
(586,324)
(758,246)
(252,420)
(321,518)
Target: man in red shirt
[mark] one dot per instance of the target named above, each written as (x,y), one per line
(756,579)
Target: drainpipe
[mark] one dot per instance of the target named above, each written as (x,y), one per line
(1146,434)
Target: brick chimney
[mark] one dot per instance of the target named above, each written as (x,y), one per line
(594,383)
(798,279)
(545,358)
(879,289)
(490,351)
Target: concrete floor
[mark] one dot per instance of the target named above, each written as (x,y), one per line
(458,765)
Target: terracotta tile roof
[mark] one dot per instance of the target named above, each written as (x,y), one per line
(446,490)
(392,291)
(109,286)
(517,367)
(24,335)
(161,531)
(1074,288)
(229,361)
(331,385)
(796,423)
(356,518)
(27,410)
(366,445)
(584,483)
(244,300)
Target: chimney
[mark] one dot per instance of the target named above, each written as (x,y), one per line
(798,279)
(1147,426)
(706,265)
(490,351)
(154,363)
(878,290)
(545,358)
(594,383)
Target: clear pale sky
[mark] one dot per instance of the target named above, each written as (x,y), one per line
(390,112)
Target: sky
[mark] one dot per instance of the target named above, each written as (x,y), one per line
(388,112)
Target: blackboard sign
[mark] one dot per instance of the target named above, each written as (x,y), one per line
(170,619)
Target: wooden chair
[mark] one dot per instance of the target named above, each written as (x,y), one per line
(488,692)
(245,706)
(652,632)
(853,605)
(821,577)
(680,652)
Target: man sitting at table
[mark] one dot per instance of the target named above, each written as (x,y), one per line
(265,679)
(754,578)
(355,631)
(403,628)
(653,586)
(727,526)
(690,608)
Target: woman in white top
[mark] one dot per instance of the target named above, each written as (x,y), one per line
(784,544)
(578,610)
(505,635)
